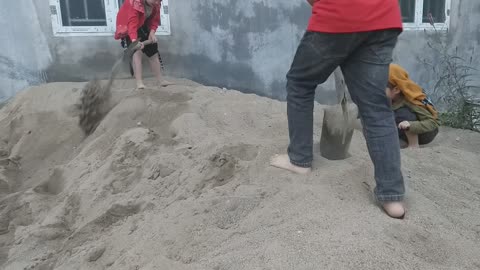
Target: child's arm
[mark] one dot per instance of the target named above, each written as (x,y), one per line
(426,122)
(133,23)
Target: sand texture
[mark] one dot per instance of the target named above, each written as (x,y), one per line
(177,178)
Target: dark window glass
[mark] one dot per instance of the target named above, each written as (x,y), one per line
(83,12)
(408,10)
(434,10)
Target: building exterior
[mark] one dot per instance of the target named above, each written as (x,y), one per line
(245,45)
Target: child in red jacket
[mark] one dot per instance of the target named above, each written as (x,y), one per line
(139,20)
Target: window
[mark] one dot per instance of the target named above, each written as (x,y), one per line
(83,13)
(93,17)
(419,14)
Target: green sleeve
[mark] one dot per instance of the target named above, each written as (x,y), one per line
(426,122)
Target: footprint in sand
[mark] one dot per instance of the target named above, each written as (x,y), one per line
(22,215)
(4,222)
(54,185)
(96,252)
(127,160)
(421,243)
(229,212)
(244,152)
(8,169)
(60,221)
(120,210)
(222,166)
(160,171)
(218,171)
(4,185)
(124,181)
(115,214)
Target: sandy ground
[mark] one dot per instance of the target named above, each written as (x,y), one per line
(178,178)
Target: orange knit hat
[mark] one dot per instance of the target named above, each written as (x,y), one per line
(414,94)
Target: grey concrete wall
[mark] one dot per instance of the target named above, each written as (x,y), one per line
(30,54)
(24,50)
(245,45)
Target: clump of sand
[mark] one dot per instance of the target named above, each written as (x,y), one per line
(178,178)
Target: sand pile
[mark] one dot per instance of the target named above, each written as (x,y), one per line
(178,178)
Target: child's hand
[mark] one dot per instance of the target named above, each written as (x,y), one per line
(405,125)
(140,45)
(152,37)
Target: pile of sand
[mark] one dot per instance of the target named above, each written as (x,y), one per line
(178,178)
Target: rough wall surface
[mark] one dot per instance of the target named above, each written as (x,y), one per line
(246,45)
(24,50)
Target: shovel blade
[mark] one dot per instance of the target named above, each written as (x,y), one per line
(337,133)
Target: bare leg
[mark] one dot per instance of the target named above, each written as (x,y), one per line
(155,65)
(412,140)
(137,67)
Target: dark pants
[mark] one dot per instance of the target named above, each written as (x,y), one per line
(364,59)
(406,114)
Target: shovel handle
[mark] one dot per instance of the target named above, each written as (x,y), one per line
(146,42)
(137,46)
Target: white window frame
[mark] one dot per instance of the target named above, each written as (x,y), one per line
(418,24)
(111,10)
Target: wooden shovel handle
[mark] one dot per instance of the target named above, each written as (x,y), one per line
(145,43)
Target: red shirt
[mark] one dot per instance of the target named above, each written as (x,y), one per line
(349,16)
(131,17)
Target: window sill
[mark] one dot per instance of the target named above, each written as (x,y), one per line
(96,34)
(442,27)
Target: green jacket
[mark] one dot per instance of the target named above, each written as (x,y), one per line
(426,122)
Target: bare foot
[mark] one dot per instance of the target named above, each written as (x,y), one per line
(283,162)
(394,209)
(165,83)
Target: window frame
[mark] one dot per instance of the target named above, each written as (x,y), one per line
(418,24)
(111,10)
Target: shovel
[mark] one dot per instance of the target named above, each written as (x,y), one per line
(95,100)
(338,123)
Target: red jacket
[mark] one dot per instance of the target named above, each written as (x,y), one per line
(132,16)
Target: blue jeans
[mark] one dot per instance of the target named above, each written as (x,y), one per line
(364,59)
